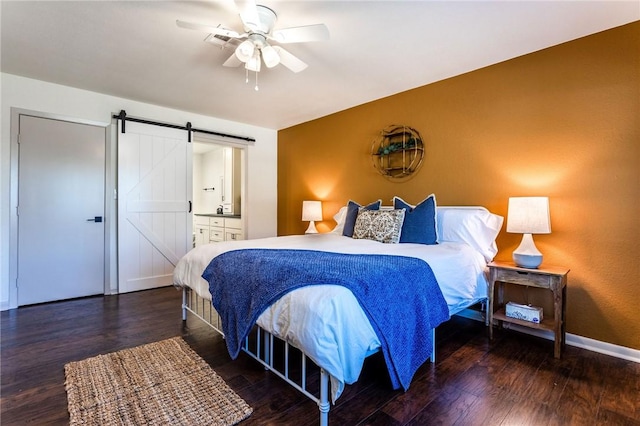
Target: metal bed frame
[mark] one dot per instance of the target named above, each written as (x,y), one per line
(263,351)
(263,343)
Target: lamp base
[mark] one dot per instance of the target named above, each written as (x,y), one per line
(527,261)
(312,228)
(527,254)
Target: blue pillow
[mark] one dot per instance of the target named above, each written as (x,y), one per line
(352,215)
(419,222)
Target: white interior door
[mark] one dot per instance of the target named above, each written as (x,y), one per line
(61,172)
(154,218)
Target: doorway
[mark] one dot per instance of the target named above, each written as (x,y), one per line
(217,179)
(60,206)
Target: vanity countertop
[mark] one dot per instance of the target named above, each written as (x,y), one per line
(230,216)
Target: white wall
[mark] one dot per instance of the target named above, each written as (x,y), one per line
(35,95)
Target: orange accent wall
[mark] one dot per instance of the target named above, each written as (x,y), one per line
(563,122)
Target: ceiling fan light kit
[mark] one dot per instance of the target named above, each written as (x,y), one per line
(245,51)
(253,64)
(258,22)
(270,56)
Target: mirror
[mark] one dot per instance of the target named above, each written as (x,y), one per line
(217,179)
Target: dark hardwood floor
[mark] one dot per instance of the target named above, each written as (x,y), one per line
(513,380)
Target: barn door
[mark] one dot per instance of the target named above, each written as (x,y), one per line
(154,193)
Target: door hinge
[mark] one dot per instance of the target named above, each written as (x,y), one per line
(18,139)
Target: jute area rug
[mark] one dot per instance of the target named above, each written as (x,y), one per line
(162,383)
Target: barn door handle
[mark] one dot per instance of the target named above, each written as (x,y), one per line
(95,219)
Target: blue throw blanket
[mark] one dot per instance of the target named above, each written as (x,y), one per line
(399,295)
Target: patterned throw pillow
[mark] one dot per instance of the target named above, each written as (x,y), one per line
(384,226)
(352,215)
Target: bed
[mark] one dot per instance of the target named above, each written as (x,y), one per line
(312,318)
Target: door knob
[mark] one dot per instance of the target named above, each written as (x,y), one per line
(95,219)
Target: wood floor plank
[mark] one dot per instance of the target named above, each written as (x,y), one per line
(426,387)
(549,380)
(379,418)
(621,394)
(513,379)
(449,406)
(489,409)
(528,412)
(406,406)
(581,395)
(516,376)
(612,418)
(486,371)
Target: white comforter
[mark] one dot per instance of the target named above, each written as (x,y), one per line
(326,321)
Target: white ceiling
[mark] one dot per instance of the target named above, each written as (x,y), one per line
(134,50)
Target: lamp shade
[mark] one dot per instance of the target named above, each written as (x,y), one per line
(270,56)
(311,210)
(245,50)
(528,215)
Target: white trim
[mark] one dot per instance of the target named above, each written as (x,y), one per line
(15,114)
(603,347)
(585,343)
(571,339)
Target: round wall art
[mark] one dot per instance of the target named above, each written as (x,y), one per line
(398,152)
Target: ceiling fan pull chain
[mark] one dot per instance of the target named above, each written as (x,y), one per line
(256,81)
(246,76)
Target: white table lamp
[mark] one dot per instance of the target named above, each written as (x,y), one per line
(311,211)
(527,216)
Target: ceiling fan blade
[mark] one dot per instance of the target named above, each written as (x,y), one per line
(209,29)
(232,61)
(290,61)
(317,32)
(248,13)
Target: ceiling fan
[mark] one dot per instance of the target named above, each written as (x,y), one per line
(254,45)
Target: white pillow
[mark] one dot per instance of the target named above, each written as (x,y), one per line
(475,226)
(339,217)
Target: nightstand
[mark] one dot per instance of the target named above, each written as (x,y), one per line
(552,278)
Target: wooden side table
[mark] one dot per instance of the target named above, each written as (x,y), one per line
(552,278)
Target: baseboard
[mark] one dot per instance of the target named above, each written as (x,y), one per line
(571,339)
(603,347)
